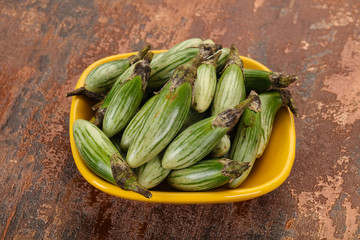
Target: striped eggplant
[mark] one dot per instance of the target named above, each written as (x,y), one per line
(230,89)
(220,64)
(100,155)
(101,78)
(119,81)
(222,147)
(127,99)
(271,102)
(195,142)
(189,43)
(101,107)
(264,81)
(162,70)
(141,66)
(208,41)
(206,175)
(205,84)
(151,173)
(160,123)
(135,123)
(246,142)
(167,115)
(158,56)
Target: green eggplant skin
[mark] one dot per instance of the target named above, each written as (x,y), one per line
(102,77)
(124,97)
(189,43)
(246,142)
(95,148)
(102,157)
(193,144)
(264,81)
(117,85)
(164,63)
(123,106)
(162,70)
(206,175)
(170,110)
(160,124)
(256,80)
(220,64)
(221,148)
(128,73)
(95,92)
(198,140)
(135,123)
(271,102)
(151,173)
(230,89)
(208,41)
(204,87)
(158,56)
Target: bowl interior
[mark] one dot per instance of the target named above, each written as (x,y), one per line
(269,171)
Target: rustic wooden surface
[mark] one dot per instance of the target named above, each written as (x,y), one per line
(46,44)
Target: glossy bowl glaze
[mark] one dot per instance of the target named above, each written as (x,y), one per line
(268,173)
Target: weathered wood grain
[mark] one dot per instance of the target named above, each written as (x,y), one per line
(46,44)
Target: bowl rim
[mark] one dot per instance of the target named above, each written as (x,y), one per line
(214,196)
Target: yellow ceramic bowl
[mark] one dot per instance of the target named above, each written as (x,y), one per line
(268,173)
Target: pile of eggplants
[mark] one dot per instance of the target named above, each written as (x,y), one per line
(193,116)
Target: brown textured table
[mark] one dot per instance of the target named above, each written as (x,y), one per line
(44,47)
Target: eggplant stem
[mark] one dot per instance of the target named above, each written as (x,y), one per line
(125,178)
(230,117)
(137,57)
(83,92)
(288,101)
(281,80)
(99,117)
